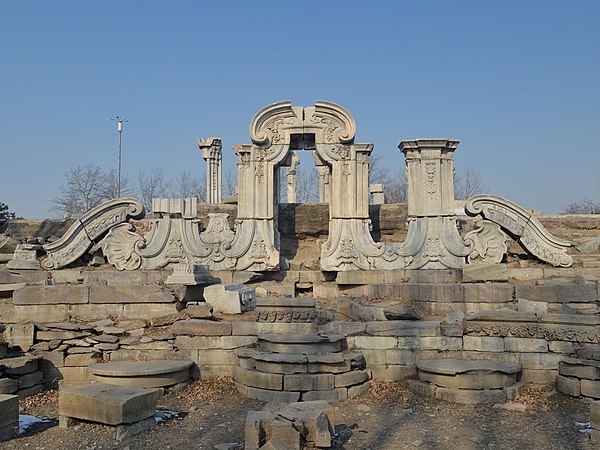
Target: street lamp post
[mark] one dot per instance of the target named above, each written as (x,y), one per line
(120,131)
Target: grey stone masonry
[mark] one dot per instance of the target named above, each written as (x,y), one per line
(9,416)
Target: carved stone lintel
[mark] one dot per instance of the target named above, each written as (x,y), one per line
(523,227)
(87,230)
(487,242)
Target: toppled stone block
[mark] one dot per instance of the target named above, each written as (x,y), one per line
(231,298)
(108,404)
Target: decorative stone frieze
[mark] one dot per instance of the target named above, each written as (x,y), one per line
(90,228)
(523,226)
(25,257)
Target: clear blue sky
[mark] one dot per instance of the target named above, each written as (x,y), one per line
(517,82)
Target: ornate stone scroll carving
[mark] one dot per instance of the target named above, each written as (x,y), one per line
(89,229)
(487,242)
(211,152)
(523,227)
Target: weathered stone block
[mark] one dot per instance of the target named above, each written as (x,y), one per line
(430,343)
(231,298)
(9,416)
(256,328)
(562,293)
(542,377)
(266,395)
(421,388)
(231,342)
(8,385)
(345,328)
(351,378)
(39,313)
(215,357)
(372,342)
(525,345)
(130,294)
(20,365)
(580,368)
(258,379)
(149,311)
(590,388)
(569,386)
(20,335)
(391,372)
(51,295)
(514,391)
(561,347)
(308,382)
(30,379)
(108,404)
(82,359)
(537,361)
(199,327)
(359,389)
(484,272)
(483,343)
(470,396)
(332,395)
(197,342)
(404,328)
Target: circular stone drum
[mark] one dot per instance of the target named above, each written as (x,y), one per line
(453,373)
(143,374)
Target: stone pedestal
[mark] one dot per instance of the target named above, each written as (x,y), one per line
(433,237)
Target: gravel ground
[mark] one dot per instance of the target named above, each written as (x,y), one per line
(389,416)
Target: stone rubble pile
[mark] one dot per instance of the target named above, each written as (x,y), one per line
(295,426)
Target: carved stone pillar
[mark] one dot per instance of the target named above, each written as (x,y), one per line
(211,152)
(432,230)
(291,178)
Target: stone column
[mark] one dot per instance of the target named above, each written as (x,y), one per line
(377,194)
(432,230)
(323,184)
(211,152)
(291,178)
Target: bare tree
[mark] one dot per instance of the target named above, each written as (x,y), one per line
(307,185)
(396,190)
(468,184)
(113,187)
(585,206)
(230,185)
(188,186)
(150,184)
(84,188)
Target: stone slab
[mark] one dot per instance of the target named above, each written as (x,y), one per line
(199,327)
(254,378)
(8,385)
(563,293)
(20,335)
(308,382)
(51,295)
(20,365)
(484,272)
(404,328)
(474,380)
(455,366)
(573,367)
(590,388)
(130,294)
(108,404)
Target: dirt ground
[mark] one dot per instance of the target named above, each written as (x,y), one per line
(389,416)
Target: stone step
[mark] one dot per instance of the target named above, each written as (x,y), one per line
(142,374)
(286,309)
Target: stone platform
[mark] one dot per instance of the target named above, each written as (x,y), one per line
(468,382)
(142,374)
(300,367)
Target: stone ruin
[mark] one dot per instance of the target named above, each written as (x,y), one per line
(472,301)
